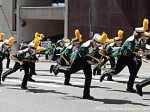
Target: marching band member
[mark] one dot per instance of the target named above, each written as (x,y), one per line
(4,49)
(145,82)
(68,47)
(79,61)
(127,57)
(56,56)
(32,64)
(65,55)
(23,58)
(109,46)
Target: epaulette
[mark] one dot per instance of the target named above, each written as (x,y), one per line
(1,44)
(86,44)
(147,46)
(70,47)
(131,38)
(112,44)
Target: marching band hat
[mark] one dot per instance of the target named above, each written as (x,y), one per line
(96,38)
(139,30)
(75,40)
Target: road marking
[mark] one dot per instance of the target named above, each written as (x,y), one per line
(59,81)
(35,83)
(95,79)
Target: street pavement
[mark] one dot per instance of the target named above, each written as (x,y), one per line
(48,94)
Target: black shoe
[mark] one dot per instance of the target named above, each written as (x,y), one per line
(103,76)
(67,84)
(131,90)
(3,78)
(110,79)
(21,68)
(94,72)
(99,74)
(34,73)
(51,68)
(88,97)
(24,87)
(56,72)
(139,90)
(136,77)
(31,80)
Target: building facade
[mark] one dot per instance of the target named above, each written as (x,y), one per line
(22,18)
(108,16)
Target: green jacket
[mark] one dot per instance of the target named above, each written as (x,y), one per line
(48,51)
(86,48)
(130,43)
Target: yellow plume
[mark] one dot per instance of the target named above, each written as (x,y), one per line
(36,42)
(145,24)
(41,36)
(78,35)
(67,40)
(2,36)
(110,41)
(40,48)
(103,38)
(120,34)
(11,41)
(148,34)
(36,34)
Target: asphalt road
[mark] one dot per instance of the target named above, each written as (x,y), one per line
(48,94)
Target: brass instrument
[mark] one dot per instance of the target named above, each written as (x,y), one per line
(102,52)
(67,62)
(139,53)
(14,58)
(100,61)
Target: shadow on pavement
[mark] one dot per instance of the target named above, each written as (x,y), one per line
(117,101)
(44,91)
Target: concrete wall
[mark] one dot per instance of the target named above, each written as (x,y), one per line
(47,27)
(107,15)
(6,13)
(6,23)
